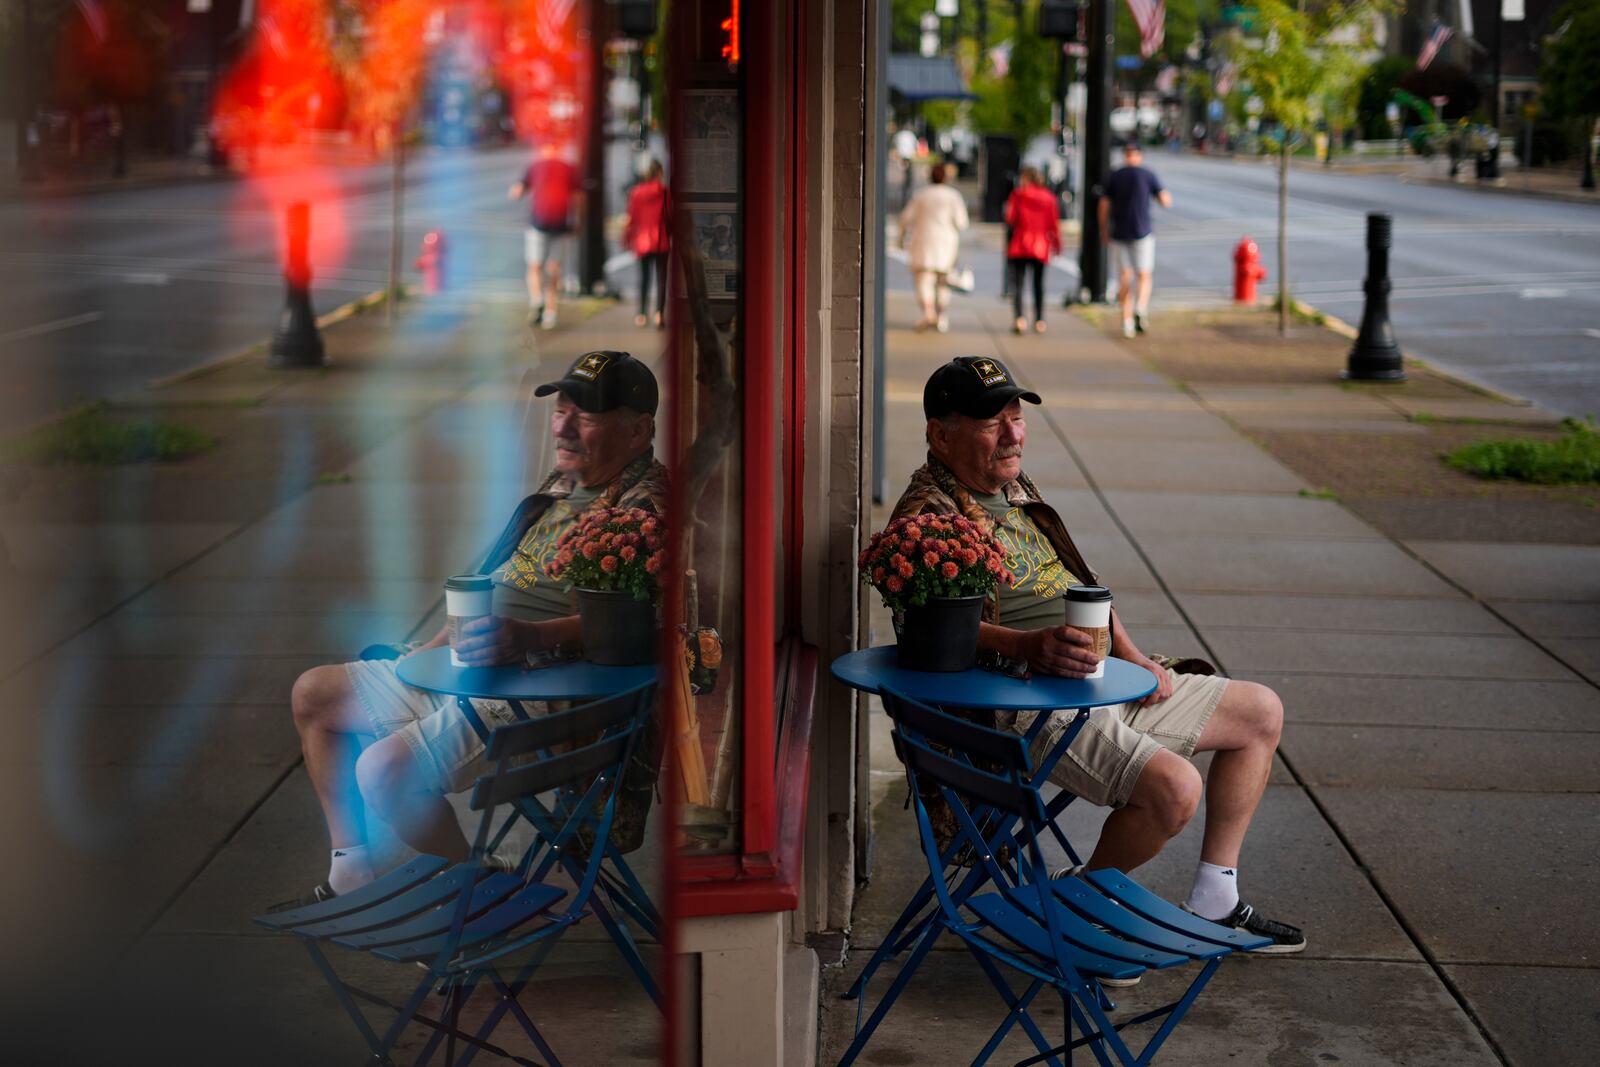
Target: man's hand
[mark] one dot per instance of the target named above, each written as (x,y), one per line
(1058,650)
(1163,677)
(516,191)
(492,641)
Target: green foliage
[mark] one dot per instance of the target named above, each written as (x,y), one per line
(1377,87)
(1323,493)
(1571,68)
(89,434)
(1019,103)
(1571,459)
(1305,63)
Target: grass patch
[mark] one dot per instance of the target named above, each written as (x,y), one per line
(1093,316)
(90,434)
(1323,493)
(1571,459)
(1301,313)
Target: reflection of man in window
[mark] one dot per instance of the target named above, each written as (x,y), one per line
(372,742)
(722,245)
(1132,757)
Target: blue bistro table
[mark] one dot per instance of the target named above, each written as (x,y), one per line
(576,680)
(874,669)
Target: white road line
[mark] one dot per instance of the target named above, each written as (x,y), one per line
(1592,333)
(52,327)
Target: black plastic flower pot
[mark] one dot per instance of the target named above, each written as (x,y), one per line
(617,629)
(942,635)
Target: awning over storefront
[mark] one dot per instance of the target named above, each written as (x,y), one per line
(913,78)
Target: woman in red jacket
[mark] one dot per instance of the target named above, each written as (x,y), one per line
(1035,237)
(646,237)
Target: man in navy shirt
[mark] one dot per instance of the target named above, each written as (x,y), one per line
(1125,226)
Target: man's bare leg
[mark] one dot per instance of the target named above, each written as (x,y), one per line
(1141,306)
(402,792)
(1163,801)
(535,287)
(1125,299)
(333,730)
(1244,733)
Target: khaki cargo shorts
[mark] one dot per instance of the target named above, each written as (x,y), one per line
(1110,752)
(432,726)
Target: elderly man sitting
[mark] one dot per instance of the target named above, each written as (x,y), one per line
(368,737)
(1132,757)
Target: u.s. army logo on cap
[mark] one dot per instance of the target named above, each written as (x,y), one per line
(590,366)
(989,371)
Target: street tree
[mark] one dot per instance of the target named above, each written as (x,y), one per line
(1571,74)
(1301,59)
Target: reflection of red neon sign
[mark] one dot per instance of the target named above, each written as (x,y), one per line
(730,51)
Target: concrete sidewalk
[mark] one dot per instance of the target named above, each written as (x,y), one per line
(158,616)
(1431,819)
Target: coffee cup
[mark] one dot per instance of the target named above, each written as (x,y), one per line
(1089,610)
(466,597)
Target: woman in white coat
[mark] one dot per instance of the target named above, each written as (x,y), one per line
(930,232)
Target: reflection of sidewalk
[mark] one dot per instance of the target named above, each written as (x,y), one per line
(155,794)
(1405,818)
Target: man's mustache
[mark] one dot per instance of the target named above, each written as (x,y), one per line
(570,444)
(1006,452)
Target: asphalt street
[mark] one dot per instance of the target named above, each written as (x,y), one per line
(1500,288)
(103,292)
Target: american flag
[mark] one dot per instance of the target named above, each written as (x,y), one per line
(1226,77)
(1430,47)
(1151,18)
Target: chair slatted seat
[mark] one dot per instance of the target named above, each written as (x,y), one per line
(462,922)
(1063,936)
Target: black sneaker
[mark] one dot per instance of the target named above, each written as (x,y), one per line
(1285,938)
(1138,324)
(316,896)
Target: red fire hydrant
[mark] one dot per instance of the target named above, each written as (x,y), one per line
(1247,270)
(431,262)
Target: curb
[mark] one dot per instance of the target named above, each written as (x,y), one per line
(338,314)
(1344,329)
(1507,189)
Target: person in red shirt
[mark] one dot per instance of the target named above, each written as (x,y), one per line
(646,237)
(550,183)
(1033,216)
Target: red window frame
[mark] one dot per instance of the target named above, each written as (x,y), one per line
(764,874)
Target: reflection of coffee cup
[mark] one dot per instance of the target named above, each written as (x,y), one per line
(1089,610)
(466,597)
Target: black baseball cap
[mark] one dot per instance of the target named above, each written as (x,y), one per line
(975,386)
(603,380)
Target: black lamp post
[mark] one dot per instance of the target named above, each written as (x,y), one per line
(1375,357)
(296,342)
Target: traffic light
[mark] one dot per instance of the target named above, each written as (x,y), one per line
(1058,19)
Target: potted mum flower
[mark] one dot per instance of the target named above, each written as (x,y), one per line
(934,572)
(613,557)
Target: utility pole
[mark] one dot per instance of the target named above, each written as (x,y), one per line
(1096,146)
(592,245)
(1492,170)
(24,45)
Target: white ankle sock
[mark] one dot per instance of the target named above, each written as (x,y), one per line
(350,868)
(1215,892)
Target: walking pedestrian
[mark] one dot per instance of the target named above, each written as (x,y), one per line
(646,236)
(930,232)
(549,183)
(1125,226)
(1033,213)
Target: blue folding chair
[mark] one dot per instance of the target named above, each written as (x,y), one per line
(1062,934)
(461,922)
(921,909)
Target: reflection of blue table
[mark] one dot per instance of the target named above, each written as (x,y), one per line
(873,670)
(578,680)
